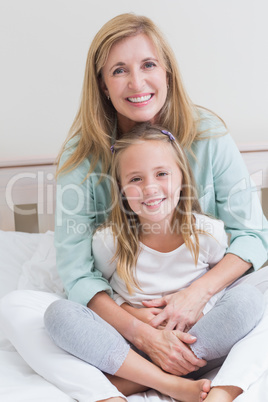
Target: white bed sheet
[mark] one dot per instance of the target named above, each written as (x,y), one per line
(28,262)
(18,382)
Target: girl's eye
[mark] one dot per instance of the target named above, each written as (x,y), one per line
(135,180)
(162,174)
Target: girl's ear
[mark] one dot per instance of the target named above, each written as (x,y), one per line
(121,189)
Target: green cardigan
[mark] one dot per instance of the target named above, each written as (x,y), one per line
(224,191)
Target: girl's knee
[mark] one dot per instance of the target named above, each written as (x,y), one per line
(62,313)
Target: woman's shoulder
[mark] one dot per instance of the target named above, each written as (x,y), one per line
(209,124)
(82,169)
(68,149)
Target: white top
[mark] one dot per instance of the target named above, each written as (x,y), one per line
(157,273)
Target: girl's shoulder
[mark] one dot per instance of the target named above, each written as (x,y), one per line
(104,238)
(210,225)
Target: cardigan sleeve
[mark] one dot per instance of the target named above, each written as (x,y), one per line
(77,215)
(237,202)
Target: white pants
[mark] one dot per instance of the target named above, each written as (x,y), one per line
(21,317)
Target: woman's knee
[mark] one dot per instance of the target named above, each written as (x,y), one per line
(248,300)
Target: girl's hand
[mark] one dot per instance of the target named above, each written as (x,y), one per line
(168,350)
(181,310)
(143,314)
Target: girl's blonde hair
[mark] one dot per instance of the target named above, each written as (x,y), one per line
(96,117)
(125,223)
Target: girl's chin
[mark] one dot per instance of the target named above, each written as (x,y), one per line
(158,219)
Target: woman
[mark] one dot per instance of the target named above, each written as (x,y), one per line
(131,76)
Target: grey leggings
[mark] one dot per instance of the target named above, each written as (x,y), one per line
(82,333)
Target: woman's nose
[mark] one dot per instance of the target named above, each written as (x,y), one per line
(135,81)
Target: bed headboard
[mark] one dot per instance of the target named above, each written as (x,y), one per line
(27,195)
(27,189)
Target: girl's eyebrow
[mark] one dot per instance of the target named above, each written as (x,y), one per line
(132,174)
(156,168)
(121,63)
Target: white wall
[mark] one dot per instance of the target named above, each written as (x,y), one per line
(221,46)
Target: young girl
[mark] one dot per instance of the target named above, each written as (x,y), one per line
(156,243)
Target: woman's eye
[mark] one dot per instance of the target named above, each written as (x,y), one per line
(118,71)
(149,64)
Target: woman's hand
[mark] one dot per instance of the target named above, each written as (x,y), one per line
(169,350)
(181,309)
(143,314)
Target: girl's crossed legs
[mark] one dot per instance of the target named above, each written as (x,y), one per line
(68,323)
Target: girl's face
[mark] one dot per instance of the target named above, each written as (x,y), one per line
(135,81)
(151,180)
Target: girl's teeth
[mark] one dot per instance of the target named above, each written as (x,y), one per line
(140,99)
(150,204)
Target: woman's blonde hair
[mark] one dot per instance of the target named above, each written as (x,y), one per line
(96,117)
(125,223)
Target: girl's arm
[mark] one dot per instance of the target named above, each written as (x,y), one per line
(81,205)
(164,347)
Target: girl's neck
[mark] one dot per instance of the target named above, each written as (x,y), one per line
(159,239)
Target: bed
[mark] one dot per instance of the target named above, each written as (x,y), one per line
(27,204)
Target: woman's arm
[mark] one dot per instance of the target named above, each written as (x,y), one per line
(226,192)
(81,205)
(167,349)
(183,309)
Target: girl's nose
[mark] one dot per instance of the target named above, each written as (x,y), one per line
(150,189)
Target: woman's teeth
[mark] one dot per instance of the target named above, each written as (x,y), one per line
(140,99)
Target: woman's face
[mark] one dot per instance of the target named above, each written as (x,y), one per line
(135,81)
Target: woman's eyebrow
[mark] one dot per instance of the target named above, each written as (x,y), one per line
(121,63)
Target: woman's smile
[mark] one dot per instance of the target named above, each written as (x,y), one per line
(140,100)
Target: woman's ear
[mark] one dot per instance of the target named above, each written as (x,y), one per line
(103,87)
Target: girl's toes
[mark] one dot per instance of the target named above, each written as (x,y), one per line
(203,396)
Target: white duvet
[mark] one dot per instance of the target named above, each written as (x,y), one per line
(28,262)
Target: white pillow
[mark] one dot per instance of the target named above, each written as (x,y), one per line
(21,317)
(39,272)
(15,249)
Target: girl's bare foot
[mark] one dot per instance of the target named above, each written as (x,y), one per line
(116,399)
(126,387)
(223,394)
(187,390)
